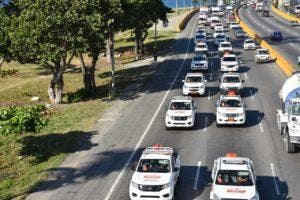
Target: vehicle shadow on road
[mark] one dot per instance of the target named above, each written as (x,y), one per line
(267,188)
(189,187)
(204,120)
(253,118)
(249,91)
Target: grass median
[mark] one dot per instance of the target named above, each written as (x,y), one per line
(25,159)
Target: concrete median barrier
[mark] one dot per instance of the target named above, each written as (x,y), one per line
(283,64)
(184,21)
(284,15)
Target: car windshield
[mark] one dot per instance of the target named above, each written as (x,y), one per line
(230,103)
(249,41)
(154,166)
(199,58)
(234,177)
(220,37)
(294,109)
(199,36)
(218,31)
(192,79)
(231,79)
(263,52)
(201,45)
(180,106)
(225,45)
(230,59)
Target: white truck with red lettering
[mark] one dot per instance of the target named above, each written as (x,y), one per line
(288,117)
(233,177)
(156,174)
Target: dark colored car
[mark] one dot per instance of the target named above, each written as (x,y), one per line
(265,13)
(276,36)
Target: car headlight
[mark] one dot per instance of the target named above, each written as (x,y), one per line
(168,116)
(201,86)
(189,117)
(135,185)
(165,186)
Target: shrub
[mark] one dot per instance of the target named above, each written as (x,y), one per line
(20,119)
(9,72)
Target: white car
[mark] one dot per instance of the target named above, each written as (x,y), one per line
(225,47)
(229,63)
(218,32)
(202,19)
(213,21)
(297,9)
(156,174)
(233,177)
(219,39)
(201,32)
(194,84)
(201,27)
(249,44)
(230,110)
(231,81)
(262,55)
(201,48)
(199,62)
(229,8)
(219,26)
(233,25)
(181,113)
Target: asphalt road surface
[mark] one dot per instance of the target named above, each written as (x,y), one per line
(264,26)
(104,177)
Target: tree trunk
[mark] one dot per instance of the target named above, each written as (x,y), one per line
(142,39)
(137,43)
(110,55)
(56,86)
(1,62)
(88,74)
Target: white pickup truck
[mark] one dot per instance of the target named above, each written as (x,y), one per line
(262,55)
(156,174)
(230,110)
(233,177)
(231,81)
(194,84)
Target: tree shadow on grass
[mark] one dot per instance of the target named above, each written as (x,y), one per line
(43,147)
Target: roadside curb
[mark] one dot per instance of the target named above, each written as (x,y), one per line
(283,64)
(284,15)
(184,21)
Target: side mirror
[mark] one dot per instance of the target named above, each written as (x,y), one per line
(243,81)
(183,81)
(219,81)
(205,81)
(176,169)
(133,166)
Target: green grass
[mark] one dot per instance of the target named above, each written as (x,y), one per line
(26,159)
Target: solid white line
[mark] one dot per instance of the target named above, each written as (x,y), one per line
(211,75)
(197,176)
(252,97)
(260,125)
(274,179)
(205,128)
(246,77)
(116,182)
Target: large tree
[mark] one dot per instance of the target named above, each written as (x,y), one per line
(43,32)
(4,39)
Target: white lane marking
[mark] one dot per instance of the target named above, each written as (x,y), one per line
(210,77)
(252,97)
(197,176)
(260,125)
(291,44)
(274,179)
(205,125)
(208,95)
(116,182)
(245,74)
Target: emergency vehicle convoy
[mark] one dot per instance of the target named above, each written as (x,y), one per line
(232,177)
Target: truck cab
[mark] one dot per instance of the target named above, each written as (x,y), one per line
(288,117)
(194,84)
(230,110)
(231,81)
(233,177)
(156,174)
(181,113)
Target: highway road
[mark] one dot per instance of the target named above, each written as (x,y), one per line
(264,26)
(104,174)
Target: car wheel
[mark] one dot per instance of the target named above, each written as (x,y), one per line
(218,125)
(290,147)
(168,128)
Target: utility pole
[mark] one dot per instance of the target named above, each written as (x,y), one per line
(155,45)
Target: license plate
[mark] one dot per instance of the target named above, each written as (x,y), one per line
(230,119)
